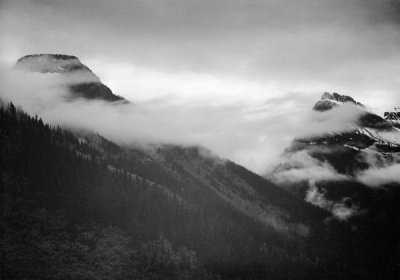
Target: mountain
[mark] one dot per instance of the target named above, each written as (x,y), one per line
(346,150)
(369,143)
(329,101)
(78,79)
(353,173)
(164,212)
(393,117)
(78,206)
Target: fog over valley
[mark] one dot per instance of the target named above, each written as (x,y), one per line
(196,139)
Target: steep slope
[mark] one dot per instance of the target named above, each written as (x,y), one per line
(329,101)
(170,212)
(231,189)
(215,214)
(355,175)
(347,150)
(393,117)
(79,80)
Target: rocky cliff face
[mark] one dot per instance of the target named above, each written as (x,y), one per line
(80,81)
(353,173)
(369,129)
(333,167)
(393,117)
(329,101)
(51,63)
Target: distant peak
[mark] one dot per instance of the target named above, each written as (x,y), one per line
(50,63)
(331,100)
(80,80)
(393,116)
(55,56)
(337,97)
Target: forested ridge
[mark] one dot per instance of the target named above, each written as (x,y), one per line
(85,208)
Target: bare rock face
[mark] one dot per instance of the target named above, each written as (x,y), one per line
(329,101)
(50,63)
(370,143)
(393,117)
(81,82)
(367,119)
(370,129)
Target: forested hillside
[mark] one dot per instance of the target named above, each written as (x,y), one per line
(77,206)
(364,190)
(70,212)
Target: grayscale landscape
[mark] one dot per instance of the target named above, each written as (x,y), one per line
(194,139)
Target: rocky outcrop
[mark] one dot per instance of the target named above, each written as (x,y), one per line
(393,117)
(329,101)
(80,81)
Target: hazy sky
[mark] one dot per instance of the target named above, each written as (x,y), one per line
(221,50)
(220,59)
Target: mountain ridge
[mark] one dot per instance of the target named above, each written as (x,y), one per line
(80,80)
(350,173)
(209,206)
(182,213)
(329,101)
(393,117)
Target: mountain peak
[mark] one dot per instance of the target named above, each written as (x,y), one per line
(393,117)
(337,97)
(81,81)
(51,63)
(331,100)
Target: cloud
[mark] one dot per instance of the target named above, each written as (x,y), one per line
(253,136)
(298,46)
(238,77)
(341,210)
(45,95)
(382,168)
(339,119)
(377,176)
(301,167)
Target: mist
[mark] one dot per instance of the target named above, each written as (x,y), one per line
(378,176)
(236,77)
(301,167)
(254,136)
(200,139)
(341,210)
(218,51)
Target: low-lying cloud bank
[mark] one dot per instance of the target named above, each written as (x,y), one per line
(377,176)
(301,167)
(306,46)
(253,136)
(342,210)
(382,169)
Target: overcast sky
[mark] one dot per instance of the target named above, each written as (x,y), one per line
(252,57)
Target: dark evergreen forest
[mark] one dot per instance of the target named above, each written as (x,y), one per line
(74,209)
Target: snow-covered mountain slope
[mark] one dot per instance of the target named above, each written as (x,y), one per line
(76,77)
(393,117)
(342,165)
(329,101)
(354,174)
(370,130)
